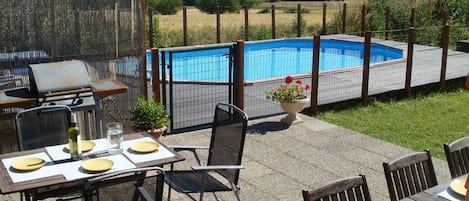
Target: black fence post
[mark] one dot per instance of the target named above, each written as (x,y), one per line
(344,17)
(150,28)
(410,54)
(386,23)
(412,17)
(315,74)
(155,75)
(444,57)
(363,19)
(366,68)
(273,22)
(239,75)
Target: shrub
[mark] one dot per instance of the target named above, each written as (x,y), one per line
(165,7)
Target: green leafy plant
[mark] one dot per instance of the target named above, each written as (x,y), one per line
(289,92)
(149,115)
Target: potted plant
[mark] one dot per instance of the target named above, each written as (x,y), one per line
(292,97)
(149,116)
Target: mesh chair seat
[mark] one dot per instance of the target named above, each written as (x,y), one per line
(191,182)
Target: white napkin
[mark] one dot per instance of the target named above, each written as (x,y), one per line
(58,152)
(451,195)
(47,170)
(73,171)
(143,157)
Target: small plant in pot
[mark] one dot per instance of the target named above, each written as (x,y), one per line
(149,116)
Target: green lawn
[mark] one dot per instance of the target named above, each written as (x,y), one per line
(421,123)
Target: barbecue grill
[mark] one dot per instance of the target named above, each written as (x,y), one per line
(64,83)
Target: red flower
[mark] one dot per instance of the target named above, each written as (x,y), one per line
(299,82)
(307,87)
(289,79)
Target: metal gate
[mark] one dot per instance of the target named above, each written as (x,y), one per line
(196,80)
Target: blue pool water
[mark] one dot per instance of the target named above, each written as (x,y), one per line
(274,59)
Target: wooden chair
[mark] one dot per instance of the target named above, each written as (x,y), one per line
(346,189)
(457,155)
(224,159)
(135,176)
(409,174)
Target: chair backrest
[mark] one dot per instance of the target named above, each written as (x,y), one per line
(42,126)
(457,155)
(227,140)
(350,188)
(409,175)
(136,176)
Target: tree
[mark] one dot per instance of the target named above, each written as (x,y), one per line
(165,7)
(210,6)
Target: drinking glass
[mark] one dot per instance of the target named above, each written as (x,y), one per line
(115,136)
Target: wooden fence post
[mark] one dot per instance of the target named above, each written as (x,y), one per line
(410,54)
(155,75)
(366,68)
(298,21)
(315,74)
(386,23)
(184,24)
(55,49)
(444,57)
(363,19)
(324,24)
(246,23)
(273,22)
(150,28)
(239,75)
(344,17)
(412,17)
(218,25)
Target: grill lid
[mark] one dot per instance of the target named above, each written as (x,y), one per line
(48,78)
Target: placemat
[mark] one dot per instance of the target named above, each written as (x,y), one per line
(47,170)
(144,157)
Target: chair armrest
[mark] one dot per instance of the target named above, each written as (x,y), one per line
(187,148)
(217,167)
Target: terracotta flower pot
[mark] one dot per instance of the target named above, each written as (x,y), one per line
(157,132)
(292,108)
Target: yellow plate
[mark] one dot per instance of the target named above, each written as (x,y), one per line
(28,164)
(85,146)
(97,165)
(145,146)
(457,185)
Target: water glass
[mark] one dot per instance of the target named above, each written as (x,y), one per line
(115,136)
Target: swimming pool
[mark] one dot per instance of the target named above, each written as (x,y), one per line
(273,59)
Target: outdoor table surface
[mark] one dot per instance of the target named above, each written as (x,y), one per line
(7,185)
(431,194)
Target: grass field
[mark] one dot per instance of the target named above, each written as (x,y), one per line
(420,123)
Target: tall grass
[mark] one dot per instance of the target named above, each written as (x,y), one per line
(426,122)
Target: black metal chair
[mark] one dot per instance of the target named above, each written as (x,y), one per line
(224,157)
(42,126)
(134,176)
(409,174)
(350,188)
(457,155)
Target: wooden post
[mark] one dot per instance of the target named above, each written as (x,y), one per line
(412,17)
(142,69)
(324,24)
(344,17)
(273,22)
(246,23)
(218,25)
(155,75)
(76,16)
(444,57)
(386,23)
(55,49)
(298,21)
(239,75)
(410,54)
(315,74)
(366,68)
(184,24)
(363,19)
(150,28)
